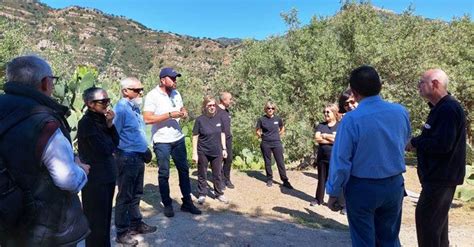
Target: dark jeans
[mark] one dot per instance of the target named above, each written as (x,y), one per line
(374,210)
(216,167)
(432,215)
(277,150)
(97,204)
(323,168)
(227,164)
(177,150)
(130,189)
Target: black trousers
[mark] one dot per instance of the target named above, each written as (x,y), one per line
(431,215)
(323,169)
(216,167)
(97,206)
(277,151)
(227,164)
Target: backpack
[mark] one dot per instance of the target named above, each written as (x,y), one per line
(16,204)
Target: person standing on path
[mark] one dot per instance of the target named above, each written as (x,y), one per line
(441,154)
(131,156)
(163,108)
(225,100)
(97,141)
(367,161)
(269,128)
(325,133)
(209,147)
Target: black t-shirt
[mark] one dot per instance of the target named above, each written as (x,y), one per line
(270,128)
(324,150)
(225,116)
(209,130)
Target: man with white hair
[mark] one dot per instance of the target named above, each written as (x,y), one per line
(36,150)
(132,153)
(441,153)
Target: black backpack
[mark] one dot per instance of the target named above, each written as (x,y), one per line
(16,205)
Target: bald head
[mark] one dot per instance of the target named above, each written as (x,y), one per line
(433,85)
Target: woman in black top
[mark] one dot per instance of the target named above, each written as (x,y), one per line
(325,133)
(209,147)
(269,129)
(97,140)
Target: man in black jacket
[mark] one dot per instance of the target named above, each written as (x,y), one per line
(441,152)
(37,151)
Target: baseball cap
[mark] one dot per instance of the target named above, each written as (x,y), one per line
(169,72)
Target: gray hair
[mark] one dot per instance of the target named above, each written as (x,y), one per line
(89,94)
(224,95)
(28,70)
(125,83)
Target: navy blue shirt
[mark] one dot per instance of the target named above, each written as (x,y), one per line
(441,147)
(209,130)
(270,128)
(324,150)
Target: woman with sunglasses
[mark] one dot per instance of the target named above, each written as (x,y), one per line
(269,128)
(209,147)
(325,133)
(97,140)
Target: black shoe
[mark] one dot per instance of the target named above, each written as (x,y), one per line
(269,183)
(142,228)
(229,184)
(188,206)
(287,185)
(126,239)
(168,211)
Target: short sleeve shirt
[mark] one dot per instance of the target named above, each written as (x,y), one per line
(209,130)
(225,116)
(270,128)
(159,103)
(324,150)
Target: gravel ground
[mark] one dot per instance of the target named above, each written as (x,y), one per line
(260,216)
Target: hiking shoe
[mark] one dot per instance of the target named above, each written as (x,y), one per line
(142,228)
(222,198)
(229,184)
(315,202)
(269,183)
(188,206)
(168,211)
(287,185)
(126,239)
(201,199)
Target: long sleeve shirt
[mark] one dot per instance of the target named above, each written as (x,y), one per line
(441,147)
(130,127)
(370,143)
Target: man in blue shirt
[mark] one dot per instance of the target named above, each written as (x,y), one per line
(367,163)
(133,149)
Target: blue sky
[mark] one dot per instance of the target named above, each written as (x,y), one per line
(257,19)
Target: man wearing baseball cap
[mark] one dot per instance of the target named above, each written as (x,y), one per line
(163,109)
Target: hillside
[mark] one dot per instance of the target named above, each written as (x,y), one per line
(117,46)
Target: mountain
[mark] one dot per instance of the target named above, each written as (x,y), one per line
(117,46)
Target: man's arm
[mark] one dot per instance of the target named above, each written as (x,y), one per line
(151,118)
(58,158)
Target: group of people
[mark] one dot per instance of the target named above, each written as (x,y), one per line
(360,158)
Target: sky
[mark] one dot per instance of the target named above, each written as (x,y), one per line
(256,19)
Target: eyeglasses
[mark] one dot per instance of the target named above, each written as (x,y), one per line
(270,108)
(211,105)
(54,78)
(326,112)
(349,102)
(105,101)
(136,90)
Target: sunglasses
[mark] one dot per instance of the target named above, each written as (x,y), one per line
(270,108)
(136,90)
(55,78)
(105,101)
(326,112)
(349,102)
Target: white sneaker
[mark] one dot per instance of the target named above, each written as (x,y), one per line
(222,198)
(201,199)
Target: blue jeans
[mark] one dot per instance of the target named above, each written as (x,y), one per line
(374,210)
(177,150)
(130,189)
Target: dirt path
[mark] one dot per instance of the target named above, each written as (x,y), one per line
(262,216)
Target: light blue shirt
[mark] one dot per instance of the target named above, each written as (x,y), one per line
(370,143)
(130,127)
